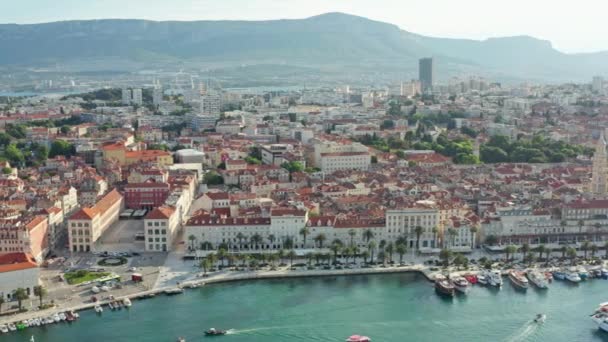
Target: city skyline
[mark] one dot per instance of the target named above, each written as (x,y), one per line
(435,18)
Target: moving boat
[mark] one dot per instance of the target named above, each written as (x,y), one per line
(573,277)
(600,316)
(559,275)
(461,284)
(519,280)
(538,279)
(494,278)
(358,338)
(540,318)
(215,332)
(444,287)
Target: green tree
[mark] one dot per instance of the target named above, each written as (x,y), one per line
(40,292)
(524,249)
(20,295)
(585,246)
(13,154)
(445,256)
(571,253)
(291,255)
(371,247)
(401,250)
(368,234)
(61,148)
(304,231)
(213,178)
(352,233)
(510,250)
(191,239)
(320,239)
(418,230)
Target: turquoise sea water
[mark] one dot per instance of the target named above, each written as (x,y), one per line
(401,307)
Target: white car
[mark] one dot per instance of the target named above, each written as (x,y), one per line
(132,269)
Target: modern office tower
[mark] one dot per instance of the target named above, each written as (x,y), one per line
(426,72)
(137,97)
(126,96)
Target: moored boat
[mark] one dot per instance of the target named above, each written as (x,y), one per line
(3,329)
(494,278)
(460,284)
(538,279)
(127,302)
(174,291)
(471,278)
(98,308)
(518,280)
(582,273)
(559,275)
(444,287)
(482,279)
(573,277)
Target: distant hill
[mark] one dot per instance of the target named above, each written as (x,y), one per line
(330,42)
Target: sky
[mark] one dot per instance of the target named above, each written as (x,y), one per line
(572,26)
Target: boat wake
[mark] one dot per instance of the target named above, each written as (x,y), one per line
(523,333)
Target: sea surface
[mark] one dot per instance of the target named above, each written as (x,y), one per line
(398,307)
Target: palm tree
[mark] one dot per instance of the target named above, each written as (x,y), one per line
(594,249)
(382,257)
(20,295)
(452,233)
(205,264)
(335,248)
(256,240)
(40,291)
(390,249)
(541,249)
(240,236)
(524,249)
(401,250)
(365,255)
(418,230)
(304,232)
(382,244)
(221,254)
(352,233)
(253,264)
(445,255)
(320,239)
(1,302)
(212,258)
(368,234)
(581,223)
(288,243)
(272,239)
(291,255)
(571,252)
(510,250)
(371,247)
(310,256)
(585,247)
(281,255)
(191,238)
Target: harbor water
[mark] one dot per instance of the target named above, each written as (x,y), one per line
(396,307)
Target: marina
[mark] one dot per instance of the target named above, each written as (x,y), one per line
(412,289)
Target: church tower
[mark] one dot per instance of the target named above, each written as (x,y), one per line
(600,167)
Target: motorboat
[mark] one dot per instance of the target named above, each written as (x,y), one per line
(444,287)
(62,316)
(69,316)
(111,306)
(471,278)
(181,339)
(518,280)
(25,323)
(495,278)
(559,275)
(538,279)
(582,273)
(127,302)
(215,332)
(461,284)
(600,316)
(3,328)
(604,273)
(95,289)
(98,308)
(482,279)
(75,314)
(358,338)
(12,327)
(540,318)
(573,277)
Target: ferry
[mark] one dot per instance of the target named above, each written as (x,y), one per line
(358,338)
(518,280)
(538,279)
(443,286)
(461,284)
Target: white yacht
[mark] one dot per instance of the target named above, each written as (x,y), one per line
(538,279)
(600,317)
(482,279)
(127,302)
(494,278)
(3,329)
(573,277)
(461,284)
(12,327)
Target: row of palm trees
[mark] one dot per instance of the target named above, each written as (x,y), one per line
(373,253)
(566,251)
(20,295)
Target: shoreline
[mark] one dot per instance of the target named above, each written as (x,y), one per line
(228,278)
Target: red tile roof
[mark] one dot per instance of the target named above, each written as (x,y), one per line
(16,262)
(160,213)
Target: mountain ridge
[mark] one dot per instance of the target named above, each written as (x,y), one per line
(334,38)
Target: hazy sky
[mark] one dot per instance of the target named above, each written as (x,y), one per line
(572,26)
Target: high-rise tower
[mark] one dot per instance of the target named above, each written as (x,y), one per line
(600,167)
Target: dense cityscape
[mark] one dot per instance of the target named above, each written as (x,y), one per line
(124,187)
